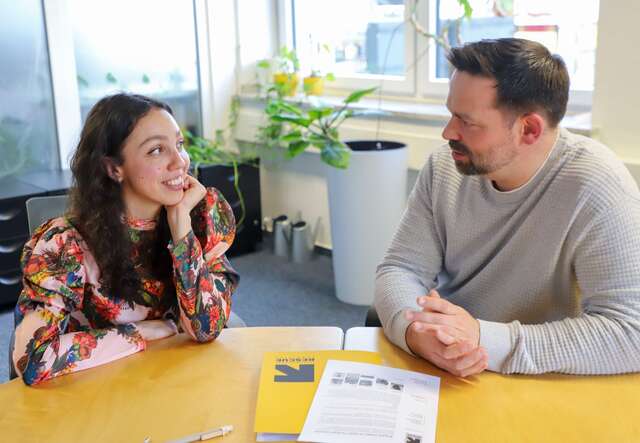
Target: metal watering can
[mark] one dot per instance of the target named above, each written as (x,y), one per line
(292,240)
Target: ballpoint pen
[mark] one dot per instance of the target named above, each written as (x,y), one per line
(201,436)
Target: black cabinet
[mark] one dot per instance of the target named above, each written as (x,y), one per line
(14,229)
(221,177)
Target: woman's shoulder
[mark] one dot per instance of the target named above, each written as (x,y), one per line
(55,240)
(52,235)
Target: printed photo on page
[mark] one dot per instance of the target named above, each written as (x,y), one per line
(361,402)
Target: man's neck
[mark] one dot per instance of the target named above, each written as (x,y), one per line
(526,165)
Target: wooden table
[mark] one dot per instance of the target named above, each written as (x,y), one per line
(496,408)
(173,389)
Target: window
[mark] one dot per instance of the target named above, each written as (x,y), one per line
(140,46)
(366,41)
(28,139)
(568,28)
(372,42)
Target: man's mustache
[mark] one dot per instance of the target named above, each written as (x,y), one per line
(459,147)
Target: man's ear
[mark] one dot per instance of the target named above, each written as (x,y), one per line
(533,125)
(114,171)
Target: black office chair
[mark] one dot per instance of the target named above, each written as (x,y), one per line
(372,319)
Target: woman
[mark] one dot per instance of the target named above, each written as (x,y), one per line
(139,255)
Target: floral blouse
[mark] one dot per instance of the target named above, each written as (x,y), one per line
(66,323)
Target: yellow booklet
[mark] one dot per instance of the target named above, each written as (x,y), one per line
(288,382)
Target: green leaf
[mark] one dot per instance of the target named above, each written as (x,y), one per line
(82,81)
(290,108)
(318,140)
(357,95)
(336,154)
(292,137)
(330,77)
(297,148)
(111,78)
(468,10)
(293,119)
(264,64)
(317,113)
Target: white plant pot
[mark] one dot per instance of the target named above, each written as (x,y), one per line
(366,202)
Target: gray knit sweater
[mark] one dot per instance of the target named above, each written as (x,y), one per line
(551,269)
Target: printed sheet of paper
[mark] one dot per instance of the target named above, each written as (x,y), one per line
(360,402)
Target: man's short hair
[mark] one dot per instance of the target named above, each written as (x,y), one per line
(529,78)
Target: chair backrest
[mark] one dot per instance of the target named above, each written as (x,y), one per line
(40,209)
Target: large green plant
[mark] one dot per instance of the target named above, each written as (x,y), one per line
(296,126)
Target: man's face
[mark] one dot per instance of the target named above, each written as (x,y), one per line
(481,136)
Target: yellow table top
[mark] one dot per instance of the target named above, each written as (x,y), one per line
(173,389)
(496,408)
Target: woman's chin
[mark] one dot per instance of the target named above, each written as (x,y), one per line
(172,198)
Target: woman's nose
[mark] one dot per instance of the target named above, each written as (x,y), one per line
(178,160)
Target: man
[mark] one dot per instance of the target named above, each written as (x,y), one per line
(519,250)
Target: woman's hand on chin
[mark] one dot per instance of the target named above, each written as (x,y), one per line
(178,216)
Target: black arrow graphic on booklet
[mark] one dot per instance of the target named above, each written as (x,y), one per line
(303,374)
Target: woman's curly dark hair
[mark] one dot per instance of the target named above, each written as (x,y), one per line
(96,206)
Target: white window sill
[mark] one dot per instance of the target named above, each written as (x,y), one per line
(432,114)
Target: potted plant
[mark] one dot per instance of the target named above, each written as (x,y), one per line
(366,183)
(313,84)
(236,176)
(287,66)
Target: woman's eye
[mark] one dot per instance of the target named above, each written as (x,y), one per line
(181,145)
(155,151)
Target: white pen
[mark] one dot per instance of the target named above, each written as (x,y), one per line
(218,432)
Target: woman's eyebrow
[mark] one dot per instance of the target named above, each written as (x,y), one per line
(153,137)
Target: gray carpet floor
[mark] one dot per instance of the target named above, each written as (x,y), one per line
(273,292)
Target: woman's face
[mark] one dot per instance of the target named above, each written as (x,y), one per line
(155,165)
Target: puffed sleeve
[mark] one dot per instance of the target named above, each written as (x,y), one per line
(54,287)
(203,277)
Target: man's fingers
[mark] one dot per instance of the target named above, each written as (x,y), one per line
(444,334)
(476,368)
(457,350)
(444,337)
(433,318)
(466,363)
(436,304)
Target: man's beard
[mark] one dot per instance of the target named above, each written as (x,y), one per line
(470,167)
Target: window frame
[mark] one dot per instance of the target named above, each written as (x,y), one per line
(388,84)
(418,84)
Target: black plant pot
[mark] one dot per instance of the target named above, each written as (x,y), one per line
(374,145)
(221,177)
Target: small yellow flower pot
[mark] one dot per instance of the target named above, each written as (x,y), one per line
(288,82)
(313,85)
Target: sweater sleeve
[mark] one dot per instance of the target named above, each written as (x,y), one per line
(411,264)
(53,288)
(605,338)
(203,277)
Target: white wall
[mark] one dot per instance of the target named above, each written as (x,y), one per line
(617,93)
